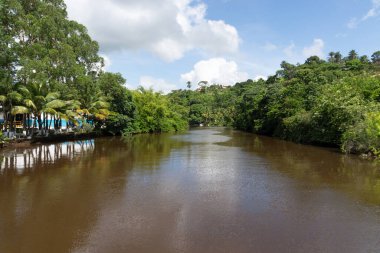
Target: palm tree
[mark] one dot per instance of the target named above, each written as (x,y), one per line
(95,107)
(39,101)
(9,99)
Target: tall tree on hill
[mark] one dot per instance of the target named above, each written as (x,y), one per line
(352,55)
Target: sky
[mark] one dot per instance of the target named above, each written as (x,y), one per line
(163,44)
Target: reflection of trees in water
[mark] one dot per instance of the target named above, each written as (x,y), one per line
(51,194)
(316,166)
(25,160)
(148,150)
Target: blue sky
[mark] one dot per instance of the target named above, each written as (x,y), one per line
(164,43)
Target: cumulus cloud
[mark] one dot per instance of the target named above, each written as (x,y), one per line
(157,84)
(215,70)
(315,49)
(167,28)
(373,12)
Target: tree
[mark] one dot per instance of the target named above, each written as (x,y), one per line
(376,57)
(352,55)
(335,57)
(120,99)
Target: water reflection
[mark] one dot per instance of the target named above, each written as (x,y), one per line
(24,160)
(52,195)
(315,166)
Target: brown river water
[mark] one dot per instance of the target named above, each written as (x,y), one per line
(206,190)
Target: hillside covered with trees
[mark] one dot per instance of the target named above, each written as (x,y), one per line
(330,103)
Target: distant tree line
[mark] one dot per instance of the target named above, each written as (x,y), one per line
(331,103)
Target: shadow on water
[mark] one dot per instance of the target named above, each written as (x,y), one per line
(314,166)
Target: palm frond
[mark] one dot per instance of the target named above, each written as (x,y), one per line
(29,103)
(24,90)
(52,96)
(15,96)
(39,99)
(3,98)
(49,111)
(99,116)
(19,110)
(71,114)
(100,104)
(105,112)
(83,111)
(56,104)
(73,104)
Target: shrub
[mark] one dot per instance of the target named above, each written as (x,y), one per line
(364,137)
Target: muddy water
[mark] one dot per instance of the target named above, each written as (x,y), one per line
(207,190)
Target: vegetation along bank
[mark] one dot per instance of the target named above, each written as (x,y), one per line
(52,82)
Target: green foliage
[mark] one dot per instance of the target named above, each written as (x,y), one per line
(117,123)
(364,136)
(50,66)
(3,139)
(154,114)
(120,99)
(209,105)
(86,128)
(326,103)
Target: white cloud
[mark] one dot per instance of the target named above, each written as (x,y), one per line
(215,70)
(373,12)
(257,78)
(157,84)
(167,28)
(107,61)
(315,49)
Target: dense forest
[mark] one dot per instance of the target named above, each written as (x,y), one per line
(50,67)
(330,103)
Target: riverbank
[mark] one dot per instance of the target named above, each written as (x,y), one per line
(52,138)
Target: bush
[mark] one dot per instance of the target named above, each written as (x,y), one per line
(117,123)
(364,137)
(3,139)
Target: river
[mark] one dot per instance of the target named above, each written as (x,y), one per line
(207,190)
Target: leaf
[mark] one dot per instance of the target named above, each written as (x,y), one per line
(73,104)
(56,104)
(100,116)
(19,110)
(29,103)
(52,96)
(100,104)
(49,111)
(14,95)
(104,112)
